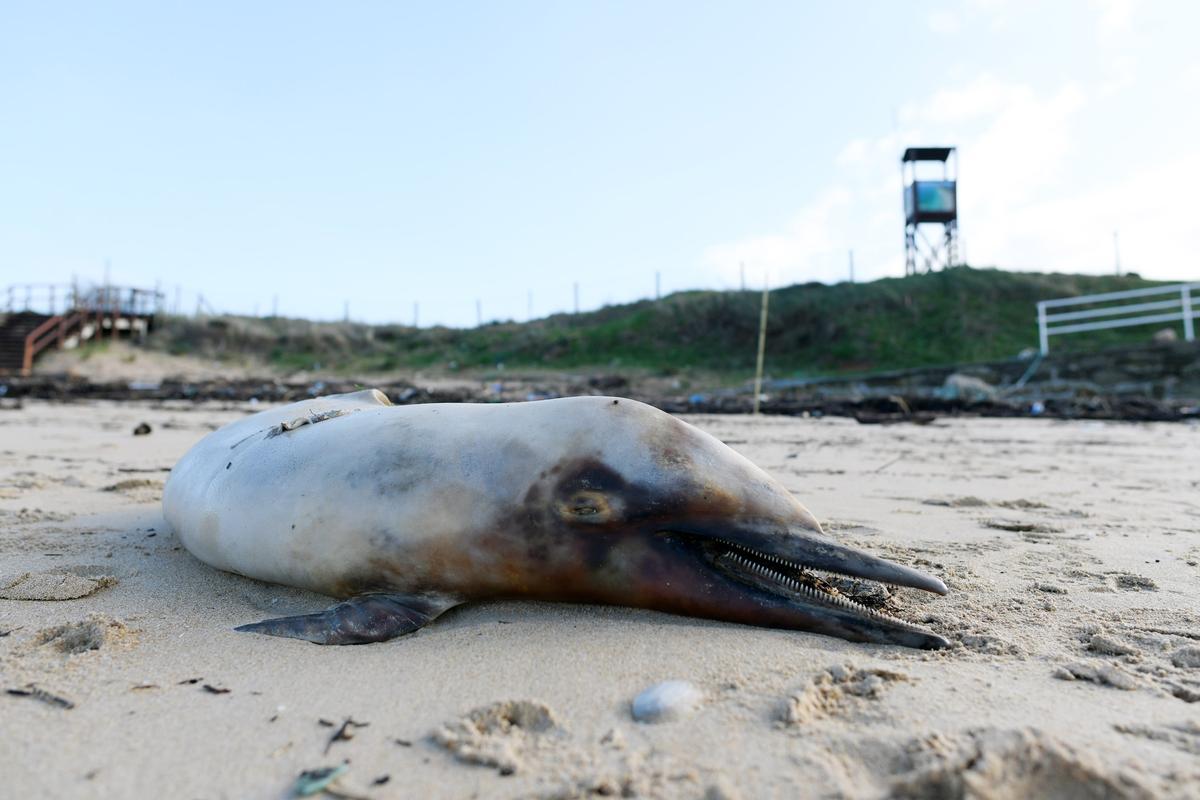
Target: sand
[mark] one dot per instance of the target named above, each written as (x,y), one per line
(1071,551)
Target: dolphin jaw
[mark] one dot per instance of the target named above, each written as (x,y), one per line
(806,583)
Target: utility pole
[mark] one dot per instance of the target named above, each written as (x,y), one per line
(852,266)
(762,346)
(657,286)
(742,270)
(576,297)
(1116,254)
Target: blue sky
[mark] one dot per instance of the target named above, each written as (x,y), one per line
(383,154)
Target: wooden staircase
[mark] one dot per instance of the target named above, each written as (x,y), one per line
(14,330)
(74,316)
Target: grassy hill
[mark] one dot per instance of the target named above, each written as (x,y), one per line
(954,316)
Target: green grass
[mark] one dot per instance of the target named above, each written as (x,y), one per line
(955,316)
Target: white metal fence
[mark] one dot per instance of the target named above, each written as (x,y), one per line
(1112,310)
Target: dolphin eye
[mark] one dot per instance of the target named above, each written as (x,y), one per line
(586,506)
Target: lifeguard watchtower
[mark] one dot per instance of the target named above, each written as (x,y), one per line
(930,202)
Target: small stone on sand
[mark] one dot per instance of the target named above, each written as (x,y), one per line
(667,701)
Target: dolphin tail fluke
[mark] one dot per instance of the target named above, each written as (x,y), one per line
(359,620)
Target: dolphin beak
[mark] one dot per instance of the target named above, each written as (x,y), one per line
(818,552)
(765,575)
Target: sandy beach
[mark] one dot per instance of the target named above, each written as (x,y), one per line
(1071,549)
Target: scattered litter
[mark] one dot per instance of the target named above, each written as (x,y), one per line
(312,781)
(381,780)
(345,733)
(142,429)
(143,686)
(189,681)
(9,631)
(666,702)
(403,742)
(41,695)
(208,687)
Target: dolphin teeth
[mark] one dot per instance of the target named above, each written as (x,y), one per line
(756,563)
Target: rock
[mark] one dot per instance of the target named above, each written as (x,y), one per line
(142,429)
(666,702)
(1166,336)
(967,387)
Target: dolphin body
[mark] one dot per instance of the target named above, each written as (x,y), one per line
(407,511)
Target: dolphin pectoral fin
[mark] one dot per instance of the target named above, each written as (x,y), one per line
(359,620)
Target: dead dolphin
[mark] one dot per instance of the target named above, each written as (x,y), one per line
(410,510)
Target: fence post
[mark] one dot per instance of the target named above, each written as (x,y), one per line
(1189,327)
(1043,334)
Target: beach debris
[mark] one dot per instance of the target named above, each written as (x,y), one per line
(666,702)
(314,781)
(831,690)
(1049,588)
(10,631)
(969,388)
(498,735)
(143,429)
(133,484)
(208,687)
(54,584)
(143,686)
(381,780)
(614,739)
(1186,657)
(403,742)
(189,681)
(41,695)
(345,733)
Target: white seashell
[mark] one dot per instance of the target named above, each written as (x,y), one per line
(667,701)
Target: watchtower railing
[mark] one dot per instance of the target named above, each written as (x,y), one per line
(1178,308)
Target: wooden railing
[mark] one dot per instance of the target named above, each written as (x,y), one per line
(53,331)
(72,309)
